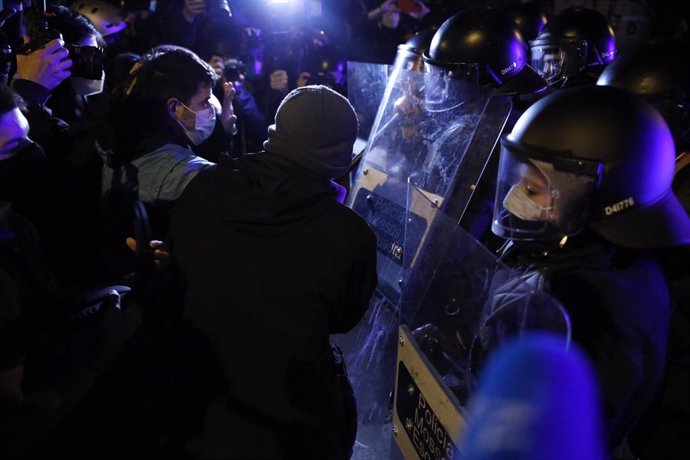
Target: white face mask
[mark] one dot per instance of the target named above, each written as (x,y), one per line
(87,87)
(198,126)
(519,204)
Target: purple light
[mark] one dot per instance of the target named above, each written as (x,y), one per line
(258,65)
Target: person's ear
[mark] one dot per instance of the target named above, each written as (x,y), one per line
(172,105)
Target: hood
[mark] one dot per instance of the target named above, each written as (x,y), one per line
(267,195)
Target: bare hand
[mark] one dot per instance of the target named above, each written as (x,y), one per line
(227,115)
(46,66)
(279,80)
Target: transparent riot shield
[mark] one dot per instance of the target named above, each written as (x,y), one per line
(458,305)
(366,84)
(440,148)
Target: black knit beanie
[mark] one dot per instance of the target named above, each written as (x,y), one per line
(316,128)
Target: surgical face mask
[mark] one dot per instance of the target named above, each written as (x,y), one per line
(198,126)
(519,204)
(87,87)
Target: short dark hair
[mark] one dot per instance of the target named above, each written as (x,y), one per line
(74,26)
(9,100)
(171,72)
(166,72)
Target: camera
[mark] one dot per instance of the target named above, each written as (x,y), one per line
(234,70)
(39,38)
(87,61)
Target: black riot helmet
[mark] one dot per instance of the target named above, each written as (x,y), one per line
(657,71)
(483,44)
(590,157)
(572,42)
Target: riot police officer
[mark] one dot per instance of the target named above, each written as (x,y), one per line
(479,45)
(584,190)
(657,71)
(574,47)
(483,44)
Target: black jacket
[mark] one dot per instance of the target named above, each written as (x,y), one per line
(273,265)
(620,309)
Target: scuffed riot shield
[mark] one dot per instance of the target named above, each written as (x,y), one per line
(366,84)
(459,304)
(443,149)
(440,148)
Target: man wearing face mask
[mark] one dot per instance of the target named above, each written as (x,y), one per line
(167,107)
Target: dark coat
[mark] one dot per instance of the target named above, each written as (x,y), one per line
(620,309)
(273,265)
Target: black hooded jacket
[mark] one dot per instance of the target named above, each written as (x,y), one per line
(273,265)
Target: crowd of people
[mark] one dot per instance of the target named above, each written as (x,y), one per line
(175,249)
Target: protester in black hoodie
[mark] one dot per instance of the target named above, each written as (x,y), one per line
(273,265)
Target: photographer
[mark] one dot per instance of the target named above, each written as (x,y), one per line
(388,24)
(324,65)
(249,130)
(221,48)
(299,59)
(56,70)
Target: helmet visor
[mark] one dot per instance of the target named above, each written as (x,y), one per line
(555,62)
(443,85)
(541,200)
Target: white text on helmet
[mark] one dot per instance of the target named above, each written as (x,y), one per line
(620,206)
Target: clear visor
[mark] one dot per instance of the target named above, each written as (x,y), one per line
(556,62)
(539,200)
(444,85)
